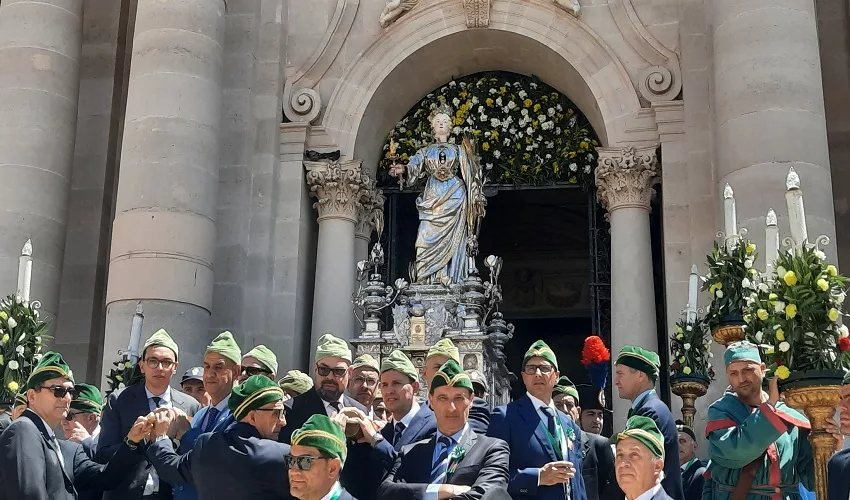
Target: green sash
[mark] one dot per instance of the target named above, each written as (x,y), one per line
(555,442)
(336,492)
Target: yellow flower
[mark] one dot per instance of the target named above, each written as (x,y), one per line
(772,296)
(4,315)
(719,286)
(583,145)
(13,386)
(762,314)
(573,179)
(489,102)
(833,314)
(768,350)
(832,270)
(527,103)
(823,285)
(686,370)
(780,335)
(119,378)
(5,339)
(790,311)
(485,146)
(790,278)
(680,336)
(782,372)
(536,108)
(682,359)
(524,168)
(679,329)
(751,247)
(127,364)
(747,318)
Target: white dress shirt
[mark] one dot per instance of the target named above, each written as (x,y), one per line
(414,409)
(432,491)
(336,489)
(545,420)
(646,495)
(330,409)
(52,436)
(152,484)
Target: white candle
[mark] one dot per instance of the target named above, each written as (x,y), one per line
(771,241)
(25,272)
(796,212)
(730,218)
(693,290)
(136,334)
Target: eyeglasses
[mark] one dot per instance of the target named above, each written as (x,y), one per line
(366,380)
(324,371)
(276,412)
(544,369)
(154,363)
(255,370)
(70,416)
(303,462)
(59,391)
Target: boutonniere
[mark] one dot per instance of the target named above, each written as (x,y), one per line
(571,435)
(457,455)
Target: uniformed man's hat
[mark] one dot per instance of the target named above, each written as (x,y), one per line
(640,359)
(194,373)
(645,431)
(478,380)
(682,427)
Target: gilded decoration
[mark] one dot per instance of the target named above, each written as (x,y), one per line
(338,186)
(625,177)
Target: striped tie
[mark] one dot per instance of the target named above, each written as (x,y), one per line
(439,468)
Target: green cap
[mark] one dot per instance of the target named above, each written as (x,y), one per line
(296,381)
(21,399)
(644,430)
(265,356)
(640,359)
(540,349)
(330,346)
(398,361)
(741,351)
(444,347)
(225,345)
(565,386)
(51,366)
(450,374)
(87,399)
(163,339)
(366,360)
(256,392)
(322,433)
(681,426)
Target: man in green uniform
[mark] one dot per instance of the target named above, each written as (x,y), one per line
(757,444)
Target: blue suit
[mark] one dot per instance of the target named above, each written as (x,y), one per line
(654,408)
(519,425)
(184,491)
(838,471)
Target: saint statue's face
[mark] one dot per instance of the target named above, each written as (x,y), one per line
(442,125)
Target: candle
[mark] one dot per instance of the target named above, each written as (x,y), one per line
(25,272)
(730,218)
(135,334)
(693,290)
(771,241)
(796,212)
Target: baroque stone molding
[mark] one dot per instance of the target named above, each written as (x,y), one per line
(625,177)
(395,9)
(301,102)
(477,13)
(338,187)
(370,215)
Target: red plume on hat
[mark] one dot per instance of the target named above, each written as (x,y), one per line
(596,359)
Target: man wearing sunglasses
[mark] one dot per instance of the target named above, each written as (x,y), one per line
(35,465)
(364,380)
(82,424)
(158,364)
(259,361)
(243,461)
(316,460)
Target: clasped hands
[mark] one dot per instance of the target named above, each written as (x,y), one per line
(171,422)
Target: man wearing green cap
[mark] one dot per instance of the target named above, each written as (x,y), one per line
(692,467)
(158,363)
(295,383)
(364,380)
(82,424)
(317,459)
(758,446)
(640,460)
(545,443)
(259,361)
(20,405)
(35,465)
(565,397)
(242,461)
(455,462)
(635,373)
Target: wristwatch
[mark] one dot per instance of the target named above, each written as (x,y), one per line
(131,444)
(377,437)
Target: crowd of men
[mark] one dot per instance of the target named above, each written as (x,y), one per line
(357,429)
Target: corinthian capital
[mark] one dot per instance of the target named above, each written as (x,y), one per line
(338,187)
(625,177)
(370,215)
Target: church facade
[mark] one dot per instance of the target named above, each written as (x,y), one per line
(179,156)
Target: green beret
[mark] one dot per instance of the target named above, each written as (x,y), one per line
(256,392)
(444,347)
(644,430)
(640,359)
(296,381)
(540,349)
(322,433)
(450,374)
(51,366)
(682,427)
(332,347)
(87,399)
(398,361)
(265,356)
(366,360)
(565,386)
(225,345)
(21,399)
(161,338)
(741,351)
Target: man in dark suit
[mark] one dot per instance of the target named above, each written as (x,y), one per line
(692,467)
(82,425)
(455,462)
(317,459)
(244,461)
(158,364)
(545,444)
(839,464)
(34,465)
(635,373)
(640,459)
(597,457)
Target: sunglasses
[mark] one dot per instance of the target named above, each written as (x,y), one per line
(324,371)
(59,391)
(70,416)
(276,412)
(255,370)
(303,462)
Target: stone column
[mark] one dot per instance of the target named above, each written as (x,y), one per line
(40,45)
(769,111)
(163,240)
(339,188)
(624,180)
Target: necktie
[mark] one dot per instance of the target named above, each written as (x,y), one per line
(58,450)
(631,413)
(335,405)
(439,468)
(156,401)
(212,418)
(553,429)
(399,428)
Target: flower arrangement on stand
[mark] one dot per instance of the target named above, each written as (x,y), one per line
(730,276)
(123,374)
(22,338)
(690,371)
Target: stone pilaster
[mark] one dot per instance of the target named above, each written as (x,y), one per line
(624,180)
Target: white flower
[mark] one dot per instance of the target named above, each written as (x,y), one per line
(780,271)
(37,357)
(763,287)
(456,131)
(748,263)
(507,141)
(719,294)
(524,112)
(810,334)
(492,91)
(687,347)
(839,297)
(497,154)
(820,255)
(558,130)
(559,108)
(494,122)
(710,355)
(475,100)
(456,102)
(759,336)
(550,111)
(489,166)
(573,167)
(511,105)
(522,94)
(784,346)
(532,85)
(452,84)
(19,349)
(842,330)
(498,101)
(529,148)
(13,365)
(589,156)
(587,169)
(745,283)
(832,355)
(12,323)
(480,110)
(541,118)
(548,156)
(779,306)
(484,118)
(573,121)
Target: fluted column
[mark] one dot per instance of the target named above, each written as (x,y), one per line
(40,45)
(163,240)
(624,180)
(339,188)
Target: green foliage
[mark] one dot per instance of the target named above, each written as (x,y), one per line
(690,346)
(22,338)
(729,271)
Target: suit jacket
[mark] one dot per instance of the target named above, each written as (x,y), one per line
(234,464)
(484,467)
(184,491)
(655,409)
(357,463)
(693,480)
(5,420)
(30,468)
(119,414)
(88,445)
(519,425)
(597,465)
(838,470)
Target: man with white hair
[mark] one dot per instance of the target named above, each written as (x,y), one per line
(639,463)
